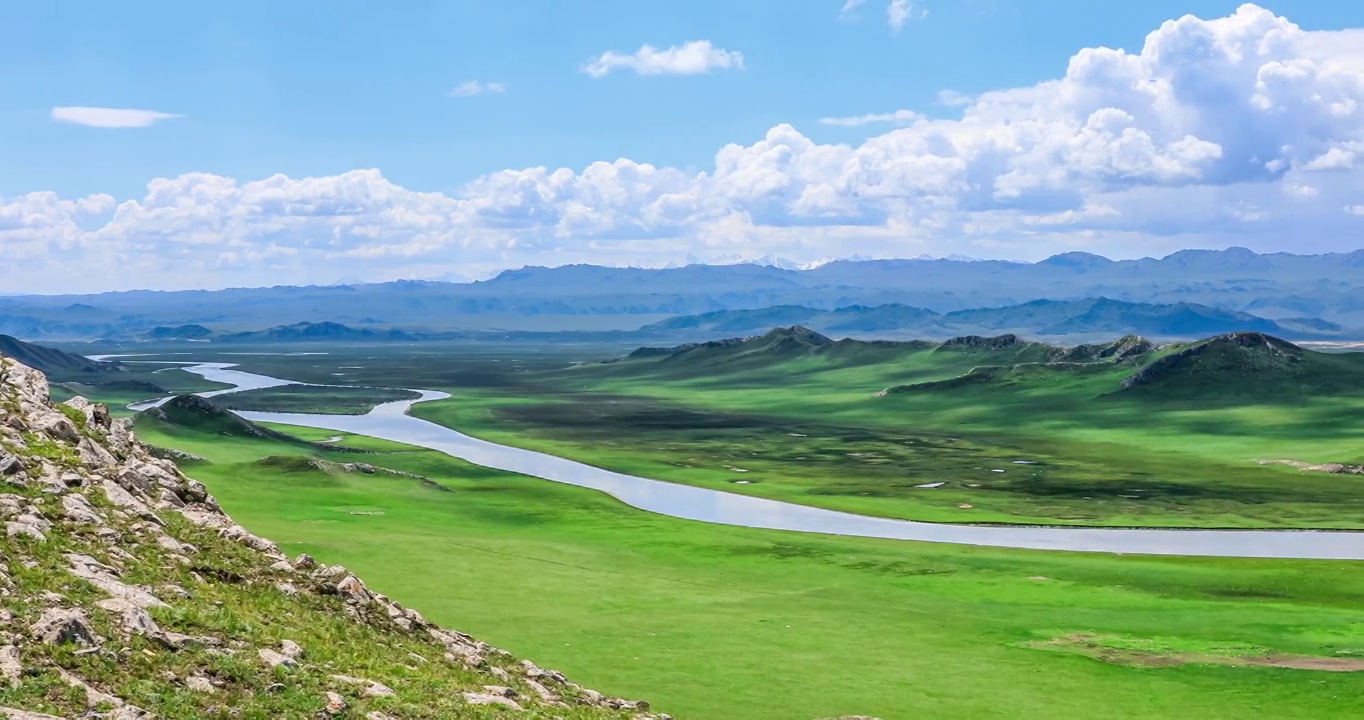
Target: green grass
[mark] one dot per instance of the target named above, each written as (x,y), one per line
(811,429)
(314,400)
(714,622)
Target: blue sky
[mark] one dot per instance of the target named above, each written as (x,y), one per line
(314,88)
(317,87)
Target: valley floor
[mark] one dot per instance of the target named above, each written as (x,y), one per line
(708,621)
(714,622)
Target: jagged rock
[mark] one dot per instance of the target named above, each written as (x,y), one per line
(474,698)
(106,578)
(291,649)
(371,688)
(275,659)
(78,509)
(124,499)
(94,456)
(200,684)
(546,695)
(304,562)
(10,464)
(24,528)
(96,414)
(174,545)
(352,589)
(56,426)
(61,626)
(135,619)
(10,667)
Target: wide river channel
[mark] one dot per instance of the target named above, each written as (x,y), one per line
(391,422)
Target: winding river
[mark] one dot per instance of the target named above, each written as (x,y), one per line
(391,422)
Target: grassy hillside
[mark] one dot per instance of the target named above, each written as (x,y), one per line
(699,618)
(129,594)
(52,361)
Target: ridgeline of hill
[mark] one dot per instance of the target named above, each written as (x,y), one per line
(200,415)
(129,594)
(1325,290)
(1040,317)
(1226,367)
(51,361)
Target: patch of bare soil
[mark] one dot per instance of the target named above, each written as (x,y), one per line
(1310,662)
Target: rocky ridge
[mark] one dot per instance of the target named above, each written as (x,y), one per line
(129,594)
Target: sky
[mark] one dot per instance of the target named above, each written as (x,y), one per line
(172,145)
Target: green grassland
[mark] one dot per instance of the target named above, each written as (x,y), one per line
(786,423)
(798,418)
(327,400)
(714,622)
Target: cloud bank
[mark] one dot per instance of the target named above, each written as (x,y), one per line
(1242,130)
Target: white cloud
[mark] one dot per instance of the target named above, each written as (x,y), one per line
(952,98)
(899,117)
(1337,158)
(469,88)
(849,8)
(1240,130)
(690,58)
(898,12)
(109,117)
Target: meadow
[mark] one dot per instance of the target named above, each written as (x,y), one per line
(712,622)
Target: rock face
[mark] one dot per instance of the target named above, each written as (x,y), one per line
(124,582)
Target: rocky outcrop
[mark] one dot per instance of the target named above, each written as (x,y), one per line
(124,582)
(1243,355)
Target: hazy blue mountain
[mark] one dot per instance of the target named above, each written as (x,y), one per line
(55,363)
(181,332)
(1098,316)
(1328,288)
(315,332)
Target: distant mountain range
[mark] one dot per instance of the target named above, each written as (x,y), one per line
(1099,316)
(1324,289)
(1081,319)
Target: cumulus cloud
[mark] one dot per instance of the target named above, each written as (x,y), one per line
(694,57)
(469,88)
(899,117)
(102,117)
(1238,130)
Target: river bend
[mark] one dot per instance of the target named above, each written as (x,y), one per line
(391,422)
